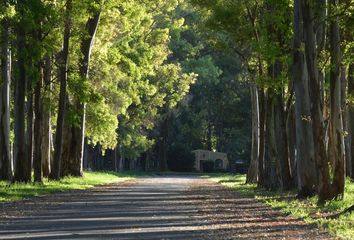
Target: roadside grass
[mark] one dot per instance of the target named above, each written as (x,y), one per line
(16,191)
(307,209)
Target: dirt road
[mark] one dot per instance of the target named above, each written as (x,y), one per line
(172,207)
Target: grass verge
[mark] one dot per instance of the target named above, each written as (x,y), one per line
(16,191)
(307,209)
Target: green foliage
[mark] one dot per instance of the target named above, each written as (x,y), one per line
(101,125)
(180,158)
(7,11)
(172,84)
(136,60)
(219,99)
(128,74)
(150,60)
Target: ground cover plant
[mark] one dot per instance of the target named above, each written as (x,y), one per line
(329,215)
(16,191)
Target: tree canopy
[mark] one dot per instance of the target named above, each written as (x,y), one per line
(147,82)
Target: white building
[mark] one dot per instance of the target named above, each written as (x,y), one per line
(208,160)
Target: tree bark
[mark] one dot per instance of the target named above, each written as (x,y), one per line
(22,164)
(121,159)
(315,96)
(282,143)
(252,174)
(38,106)
(115,159)
(163,143)
(278,165)
(320,26)
(336,140)
(29,127)
(345,111)
(36,130)
(5,154)
(305,157)
(63,76)
(351,114)
(209,132)
(46,116)
(271,174)
(291,136)
(262,136)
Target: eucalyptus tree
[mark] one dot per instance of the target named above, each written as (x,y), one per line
(345,10)
(173,86)
(276,35)
(239,21)
(5,33)
(143,59)
(63,77)
(306,165)
(40,16)
(259,34)
(214,114)
(329,185)
(22,163)
(336,148)
(34,24)
(72,162)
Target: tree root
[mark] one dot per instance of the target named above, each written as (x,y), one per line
(346,211)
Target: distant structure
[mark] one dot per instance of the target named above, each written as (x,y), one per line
(209,161)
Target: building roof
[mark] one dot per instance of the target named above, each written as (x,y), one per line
(207,151)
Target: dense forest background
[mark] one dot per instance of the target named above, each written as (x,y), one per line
(270,82)
(135,77)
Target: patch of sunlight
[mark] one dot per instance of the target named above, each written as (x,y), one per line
(16,191)
(306,209)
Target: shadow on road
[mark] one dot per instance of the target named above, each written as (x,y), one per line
(178,207)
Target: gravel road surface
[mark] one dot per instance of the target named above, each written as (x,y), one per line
(162,207)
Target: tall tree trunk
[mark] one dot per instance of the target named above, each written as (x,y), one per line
(282,143)
(22,164)
(36,130)
(209,132)
(336,140)
(5,154)
(29,127)
(163,142)
(46,116)
(73,160)
(252,174)
(305,157)
(351,114)
(262,135)
(121,159)
(67,154)
(345,110)
(278,146)
(115,159)
(291,137)
(38,106)
(63,76)
(271,175)
(147,160)
(315,96)
(320,26)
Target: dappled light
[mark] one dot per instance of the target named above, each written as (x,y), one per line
(150,208)
(112,111)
